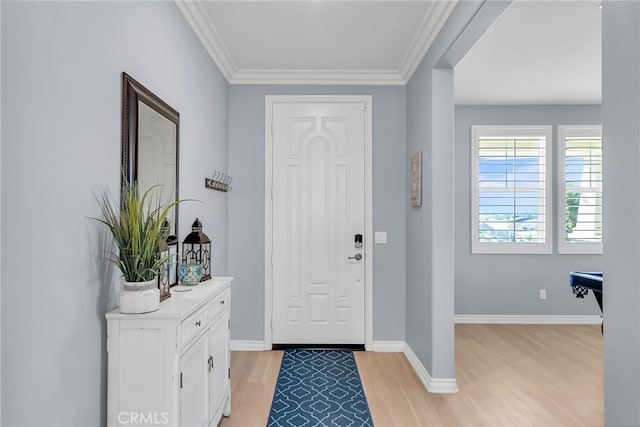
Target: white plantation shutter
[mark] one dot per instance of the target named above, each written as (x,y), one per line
(580,201)
(511,196)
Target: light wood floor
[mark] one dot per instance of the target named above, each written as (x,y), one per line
(538,375)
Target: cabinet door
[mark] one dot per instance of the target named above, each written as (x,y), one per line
(219,348)
(194,371)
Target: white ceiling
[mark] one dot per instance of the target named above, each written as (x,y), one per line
(538,52)
(334,42)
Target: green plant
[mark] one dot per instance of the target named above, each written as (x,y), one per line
(136,226)
(571,214)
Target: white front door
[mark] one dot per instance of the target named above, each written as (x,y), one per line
(318,207)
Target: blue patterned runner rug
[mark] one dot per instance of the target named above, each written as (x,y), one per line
(319,388)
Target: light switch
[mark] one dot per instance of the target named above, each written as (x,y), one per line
(381,237)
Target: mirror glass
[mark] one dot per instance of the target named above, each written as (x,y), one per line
(157,154)
(150,134)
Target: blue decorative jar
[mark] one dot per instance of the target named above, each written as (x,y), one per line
(189,274)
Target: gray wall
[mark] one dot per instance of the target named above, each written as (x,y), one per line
(430,229)
(621,133)
(510,284)
(61,65)
(246,204)
(0,221)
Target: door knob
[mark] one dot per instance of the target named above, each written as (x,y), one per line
(357,257)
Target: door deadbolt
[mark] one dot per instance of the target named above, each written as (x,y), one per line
(357,257)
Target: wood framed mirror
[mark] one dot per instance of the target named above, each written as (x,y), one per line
(150,142)
(150,148)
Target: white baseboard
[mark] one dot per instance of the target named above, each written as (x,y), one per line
(389,346)
(529,319)
(246,345)
(433,385)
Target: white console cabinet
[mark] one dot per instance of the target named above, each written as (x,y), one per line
(171,367)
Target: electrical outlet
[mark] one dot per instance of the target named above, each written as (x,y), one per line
(543,294)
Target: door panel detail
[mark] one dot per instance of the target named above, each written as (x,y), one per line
(318,208)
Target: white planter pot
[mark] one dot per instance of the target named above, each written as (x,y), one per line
(139,297)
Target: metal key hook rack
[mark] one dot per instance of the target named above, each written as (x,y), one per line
(219,181)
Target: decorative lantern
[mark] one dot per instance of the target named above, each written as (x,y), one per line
(172,243)
(196,248)
(168,274)
(163,273)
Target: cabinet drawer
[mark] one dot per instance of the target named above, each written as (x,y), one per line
(218,304)
(194,323)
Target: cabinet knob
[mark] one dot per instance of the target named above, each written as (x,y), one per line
(198,323)
(222,301)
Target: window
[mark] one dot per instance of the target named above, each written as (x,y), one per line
(580,192)
(511,198)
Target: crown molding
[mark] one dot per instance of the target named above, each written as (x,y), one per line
(199,21)
(429,30)
(317,77)
(197,18)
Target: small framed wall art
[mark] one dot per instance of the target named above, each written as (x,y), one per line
(416,179)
